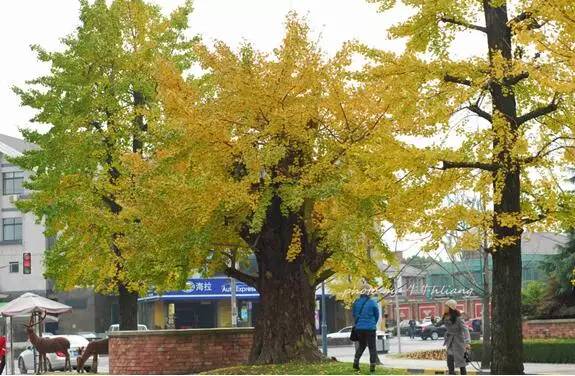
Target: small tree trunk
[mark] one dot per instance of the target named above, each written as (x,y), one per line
(128,302)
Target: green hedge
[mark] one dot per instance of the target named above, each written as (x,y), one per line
(540,350)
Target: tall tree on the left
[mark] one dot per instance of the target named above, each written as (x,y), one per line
(99,101)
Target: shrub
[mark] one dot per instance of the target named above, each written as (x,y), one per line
(540,350)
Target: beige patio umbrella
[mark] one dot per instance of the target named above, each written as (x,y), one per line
(25,305)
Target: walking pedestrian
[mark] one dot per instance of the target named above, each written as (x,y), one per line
(412,328)
(457,338)
(366,314)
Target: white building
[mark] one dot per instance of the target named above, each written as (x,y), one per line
(20,233)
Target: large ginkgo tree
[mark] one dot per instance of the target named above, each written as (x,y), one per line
(265,155)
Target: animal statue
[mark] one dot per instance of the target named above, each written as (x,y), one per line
(93,349)
(47,345)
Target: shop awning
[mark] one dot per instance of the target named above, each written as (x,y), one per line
(208,289)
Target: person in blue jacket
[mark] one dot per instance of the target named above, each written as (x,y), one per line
(366,314)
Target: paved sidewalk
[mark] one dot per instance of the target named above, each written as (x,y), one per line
(439,366)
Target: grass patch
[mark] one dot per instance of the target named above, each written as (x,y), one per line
(324,368)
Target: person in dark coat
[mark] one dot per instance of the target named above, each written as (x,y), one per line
(457,338)
(366,314)
(412,328)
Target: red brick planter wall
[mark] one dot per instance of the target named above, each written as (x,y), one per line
(178,351)
(559,328)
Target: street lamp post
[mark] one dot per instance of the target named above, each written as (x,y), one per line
(323,322)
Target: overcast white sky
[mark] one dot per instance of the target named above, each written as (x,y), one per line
(44,22)
(26,22)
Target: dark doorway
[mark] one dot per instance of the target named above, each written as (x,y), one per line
(195,315)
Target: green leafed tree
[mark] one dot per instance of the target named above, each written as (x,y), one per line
(99,101)
(559,297)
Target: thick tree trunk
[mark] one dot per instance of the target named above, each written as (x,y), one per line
(285,328)
(507,345)
(128,302)
(285,325)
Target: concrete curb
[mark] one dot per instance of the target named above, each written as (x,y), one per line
(434,371)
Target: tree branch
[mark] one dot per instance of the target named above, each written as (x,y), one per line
(457,80)
(528,221)
(248,279)
(318,260)
(513,80)
(542,154)
(538,112)
(447,165)
(323,276)
(533,23)
(481,113)
(463,23)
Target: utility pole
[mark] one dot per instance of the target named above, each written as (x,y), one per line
(323,321)
(234,302)
(397,318)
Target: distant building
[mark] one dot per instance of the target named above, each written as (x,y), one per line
(462,280)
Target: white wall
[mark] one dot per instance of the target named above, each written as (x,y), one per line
(33,241)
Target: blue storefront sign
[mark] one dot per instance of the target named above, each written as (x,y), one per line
(206,288)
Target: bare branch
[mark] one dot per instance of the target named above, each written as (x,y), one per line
(542,154)
(447,165)
(464,24)
(538,112)
(481,113)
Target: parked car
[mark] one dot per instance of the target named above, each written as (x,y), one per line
(56,360)
(90,336)
(116,327)
(432,331)
(404,327)
(340,334)
(342,337)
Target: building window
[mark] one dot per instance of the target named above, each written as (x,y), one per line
(12,229)
(14,267)
(80,303)
(12,182)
